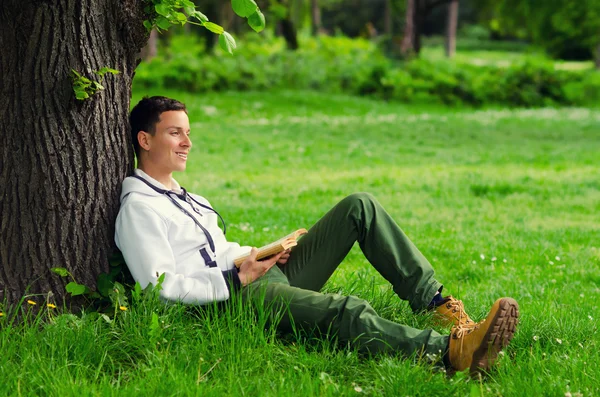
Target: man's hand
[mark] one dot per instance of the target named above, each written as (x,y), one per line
(284,257)
(251,269)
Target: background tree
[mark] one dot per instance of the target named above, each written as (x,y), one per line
(416,13)
(451,25)
(566,30)
(63,159)
(315,17)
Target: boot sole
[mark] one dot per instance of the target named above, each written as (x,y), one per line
(499,334)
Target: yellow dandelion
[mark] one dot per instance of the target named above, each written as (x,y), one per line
(1,314)
(51,306)
(123,308)
(32,303)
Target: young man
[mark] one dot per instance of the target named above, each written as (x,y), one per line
(161,228)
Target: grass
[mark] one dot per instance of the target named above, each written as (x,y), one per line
(495,53)
(502,202)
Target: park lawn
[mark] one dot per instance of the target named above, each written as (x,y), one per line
(496,53)
(502,202)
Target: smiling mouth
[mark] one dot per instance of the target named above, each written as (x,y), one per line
(182,155)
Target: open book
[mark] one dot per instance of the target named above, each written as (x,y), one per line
(284,243)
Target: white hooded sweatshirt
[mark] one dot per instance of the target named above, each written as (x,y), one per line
(156,236)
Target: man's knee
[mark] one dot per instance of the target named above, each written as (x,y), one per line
(360,200)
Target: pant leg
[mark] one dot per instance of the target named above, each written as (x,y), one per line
(360,217)
(349,319)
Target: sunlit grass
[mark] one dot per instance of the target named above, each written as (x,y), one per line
(499,57)
(502,202)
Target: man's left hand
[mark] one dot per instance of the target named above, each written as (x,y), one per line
(284,257)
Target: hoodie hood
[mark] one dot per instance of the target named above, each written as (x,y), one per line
(131,184)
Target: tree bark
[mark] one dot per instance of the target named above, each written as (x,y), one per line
(408,47)
(315,13)
(62,160)
(451,25)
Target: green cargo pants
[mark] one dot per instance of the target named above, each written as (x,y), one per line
(293,290)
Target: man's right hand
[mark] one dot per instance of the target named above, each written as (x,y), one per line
(251,269)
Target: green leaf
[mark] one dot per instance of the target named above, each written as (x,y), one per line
(257,21)
(148,25)
(81,95)
(189,10)
(154,327)
(159,282)
(227,42)
(61,271)
(163,23)
(76,289)
(96,87)
(181,17)
(199,16)
(162,9)
(474,391)
(137,291)
(105,70)
(244,8)
(213,27)
(106,318)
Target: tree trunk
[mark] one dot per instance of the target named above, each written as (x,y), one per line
(451,25)
(287,29)
(387,20)
(62,160)
(407,47)
(289,33)
(419,18)
(315,13)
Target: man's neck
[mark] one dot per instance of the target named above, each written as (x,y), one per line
(164,178)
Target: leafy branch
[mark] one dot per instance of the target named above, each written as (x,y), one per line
(84,87)
(162,14)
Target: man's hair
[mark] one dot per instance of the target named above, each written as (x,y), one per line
(146,114)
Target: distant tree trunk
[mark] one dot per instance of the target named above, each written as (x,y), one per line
(419,17)
(287,29)
(151,48)
(451,25)
(388,28)
(212,11)
(62,160)
(315,13)
(408,44)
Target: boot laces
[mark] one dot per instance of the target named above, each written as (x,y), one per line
(458,312)
(460,331)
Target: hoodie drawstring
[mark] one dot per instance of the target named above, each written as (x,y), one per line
(186,198)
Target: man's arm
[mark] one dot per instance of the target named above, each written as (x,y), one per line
(142,236)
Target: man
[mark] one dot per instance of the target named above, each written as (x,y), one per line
(161,228)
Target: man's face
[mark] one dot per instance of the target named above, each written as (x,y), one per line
(169,146)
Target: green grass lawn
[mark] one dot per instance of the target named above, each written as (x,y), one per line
(502,202)
(495,53)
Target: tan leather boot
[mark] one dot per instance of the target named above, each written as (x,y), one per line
(477,347)
(452,313)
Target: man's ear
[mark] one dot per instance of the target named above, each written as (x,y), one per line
(144,139)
